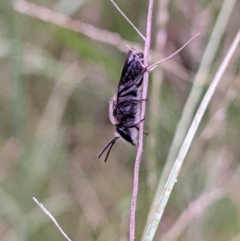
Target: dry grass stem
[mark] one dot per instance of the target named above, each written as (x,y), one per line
(52,218)
(196,92)
(198,83)
(140,138)
(153,66)
(155,106)
(187,142)
(123,14)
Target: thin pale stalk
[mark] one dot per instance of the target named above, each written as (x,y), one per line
(154,107)
(199,207)
(127,19)
(155,65)
(187,142)
(196,92)
(52,218)
(198,85)
(140,139)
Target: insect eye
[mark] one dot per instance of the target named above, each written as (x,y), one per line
(125,134)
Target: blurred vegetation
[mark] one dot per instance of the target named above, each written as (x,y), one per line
(55,87)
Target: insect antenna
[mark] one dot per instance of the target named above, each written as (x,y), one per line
(153,66)
(110,143)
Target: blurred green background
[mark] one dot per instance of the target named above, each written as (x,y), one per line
(55,87)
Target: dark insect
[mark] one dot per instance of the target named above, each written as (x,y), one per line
(124,106)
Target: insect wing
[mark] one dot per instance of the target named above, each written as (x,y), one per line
(132,67)
(128,94)
(132,73)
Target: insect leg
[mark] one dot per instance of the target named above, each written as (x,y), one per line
(144,132)
(139,100)
(135,124)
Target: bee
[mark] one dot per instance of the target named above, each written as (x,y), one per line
(124,106)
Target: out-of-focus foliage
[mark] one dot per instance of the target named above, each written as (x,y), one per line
(55,87)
